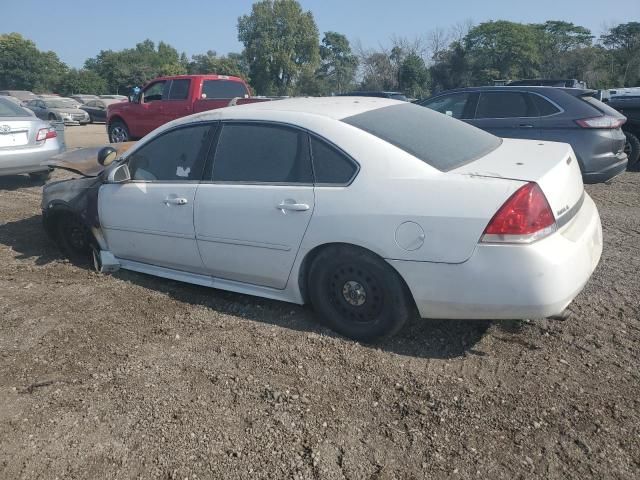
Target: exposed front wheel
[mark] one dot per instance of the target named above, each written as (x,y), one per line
(73,237)
(358,294)
(118,132)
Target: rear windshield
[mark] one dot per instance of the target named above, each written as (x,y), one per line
(10,109)
(223,89)
(438,140)
(600,106)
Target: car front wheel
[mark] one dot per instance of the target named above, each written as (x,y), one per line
(358,294)
(73,237)
(118,132)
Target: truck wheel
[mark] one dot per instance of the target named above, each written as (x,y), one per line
(118,132)
(632,149)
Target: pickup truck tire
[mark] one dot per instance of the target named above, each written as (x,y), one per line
(632,149)
(118,132)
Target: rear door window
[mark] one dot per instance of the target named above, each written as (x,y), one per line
(504,105)
(544,107)
(179,89)
(223,89)
(262,153)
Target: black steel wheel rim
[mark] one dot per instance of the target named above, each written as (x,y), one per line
(356,294)
(75,235)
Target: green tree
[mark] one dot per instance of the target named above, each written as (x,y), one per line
(135,66)
(81,81)
(502,49)
(210,62)
(414,76)
(623,41)
(451,68)
(281,44)
(557,42)
(24,67)
(339,64)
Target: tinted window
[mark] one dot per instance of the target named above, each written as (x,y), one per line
(503,105)
(10,109)
(440,141)
(154,92)
(179,89)
(544,106)
(223,89)
(262,153)
(330,165)
(452,105)
(173,156)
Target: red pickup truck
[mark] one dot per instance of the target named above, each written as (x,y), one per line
(167,98)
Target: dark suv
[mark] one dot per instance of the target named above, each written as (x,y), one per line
(568,115)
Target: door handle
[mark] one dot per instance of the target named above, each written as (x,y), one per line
(175,201)
(526,125)
(292,206)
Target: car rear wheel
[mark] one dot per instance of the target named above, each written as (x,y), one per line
(358,294)
(632,149)
(118,132)
(73,237)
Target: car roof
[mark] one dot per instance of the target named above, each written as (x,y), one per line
(336,108)
(529,88)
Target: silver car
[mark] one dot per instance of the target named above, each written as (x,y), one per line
(60,109)
(25,142)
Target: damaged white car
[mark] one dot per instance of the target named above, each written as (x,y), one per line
(370,209)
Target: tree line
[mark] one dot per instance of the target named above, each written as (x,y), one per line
(284,55)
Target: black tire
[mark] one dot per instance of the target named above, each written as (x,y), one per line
(73,237)
(52,117)
(40,176)
(118,132)
(358,294)
(632,149)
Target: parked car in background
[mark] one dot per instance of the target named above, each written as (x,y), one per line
(379,94)
(25,141)
(61,109)
(82,99)
(569,115)
(122,98)
(167,98)
(97,109)
(629,106)
(22,95)
(366,208)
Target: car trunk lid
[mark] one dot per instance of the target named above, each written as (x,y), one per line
(551,165)
(16,132)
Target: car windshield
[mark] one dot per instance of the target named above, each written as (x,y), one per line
(60,103)
(438,140)
(10,109)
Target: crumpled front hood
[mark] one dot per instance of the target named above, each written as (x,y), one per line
(84,160)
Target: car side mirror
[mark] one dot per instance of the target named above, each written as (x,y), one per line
(106,156)
(119,174)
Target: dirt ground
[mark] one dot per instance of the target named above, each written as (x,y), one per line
(130,376)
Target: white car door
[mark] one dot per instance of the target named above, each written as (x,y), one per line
(251,216)
(149,219)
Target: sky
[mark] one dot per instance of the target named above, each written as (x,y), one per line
(79,29)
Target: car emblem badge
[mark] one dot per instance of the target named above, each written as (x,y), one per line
(5,129)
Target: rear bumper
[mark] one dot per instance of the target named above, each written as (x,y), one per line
(618,165)
(511,281)
(29,159)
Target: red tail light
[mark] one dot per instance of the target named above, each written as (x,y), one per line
(604,121)
(45,133)
(524,218)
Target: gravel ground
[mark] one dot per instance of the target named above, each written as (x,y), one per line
(129,376)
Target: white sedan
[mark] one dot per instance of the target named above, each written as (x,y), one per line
(368,208)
